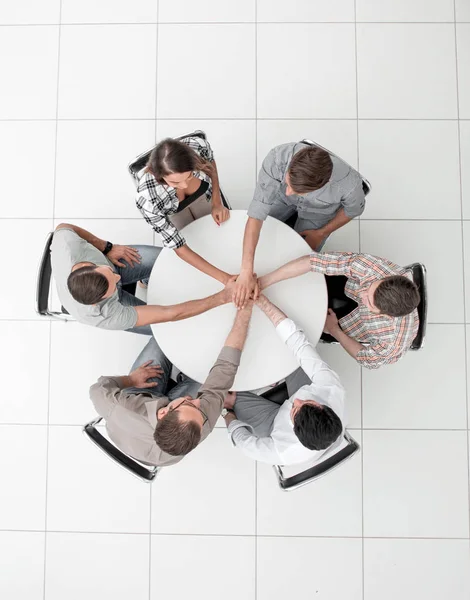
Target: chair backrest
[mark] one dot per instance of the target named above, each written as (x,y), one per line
(366,186)
(279,394)
(418,271)
(144,473)
(43,285)
(317,470)
(137,166)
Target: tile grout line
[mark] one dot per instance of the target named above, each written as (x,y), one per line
(256,175)
(206,118)
(215,23)
(50,322)
(463,248)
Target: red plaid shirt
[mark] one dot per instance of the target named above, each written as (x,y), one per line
(388,337)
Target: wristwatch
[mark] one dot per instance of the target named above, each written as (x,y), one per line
(108,248)
(226,411)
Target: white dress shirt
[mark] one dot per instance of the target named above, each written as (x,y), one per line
(283,447)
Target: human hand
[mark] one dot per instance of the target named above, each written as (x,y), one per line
(331,323)
(313,237)
(227,292)
(220,214)
(230,399)
(245,287)
(139,378)
(118,253)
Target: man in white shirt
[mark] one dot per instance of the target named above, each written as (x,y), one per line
(304,426)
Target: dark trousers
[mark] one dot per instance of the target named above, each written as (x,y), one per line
(337,300)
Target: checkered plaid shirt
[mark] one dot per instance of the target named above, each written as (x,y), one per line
(156,201)
(388,337)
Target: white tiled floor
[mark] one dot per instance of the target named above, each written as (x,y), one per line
(87,85)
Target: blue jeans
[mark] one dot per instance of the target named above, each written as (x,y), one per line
(185,385)
(139,272)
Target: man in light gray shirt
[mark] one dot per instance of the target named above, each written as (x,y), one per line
(90,272)
(297,178)
(155,425)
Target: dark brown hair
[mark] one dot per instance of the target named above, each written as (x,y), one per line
(176,437)
(86,285)
(309,170)
(396,296)
(172,156)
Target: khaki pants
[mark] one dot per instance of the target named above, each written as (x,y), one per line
(199,208)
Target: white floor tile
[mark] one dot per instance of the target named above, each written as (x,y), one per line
(405,242)
(25,357)
(88,492)
(350,374)
(26,12)
(300,568)
(330,512)
(398,156)
(419,61)
(435,372)
(465,166)
(467,333)
(23,450)
(31,72)
(213,470)
(203,554)
(284,90)
(462,10)
(410,569)
(236,160)
(463,61)
(415,484)
(232,72)
(101,150)
(109,11)
(84,565)
(345,238)
(205,11)
(113,353)
(405,10)
(21,565)
(113,75)
(27,154)
(315,11)
(19,297)
(339,136)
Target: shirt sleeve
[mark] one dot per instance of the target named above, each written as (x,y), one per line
(106,394)
(202,147)
(354,202)
(269,181)
(151,206)
(218,383)
(254,447)
(119,318)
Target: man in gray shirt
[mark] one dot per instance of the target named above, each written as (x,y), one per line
(157,426)
(324,191)
(89,274)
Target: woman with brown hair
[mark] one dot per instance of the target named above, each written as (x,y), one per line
(180,185)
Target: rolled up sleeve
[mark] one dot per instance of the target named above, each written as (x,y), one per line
(267,187)
(354,202)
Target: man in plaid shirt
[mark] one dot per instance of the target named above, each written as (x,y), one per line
(383,312)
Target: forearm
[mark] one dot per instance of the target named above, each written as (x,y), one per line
(294,268)
(216,198)
(351,346)
(237,336)
(150,314)
(250,241)
(85,235)
(199,263)
(274,314)
(338,221)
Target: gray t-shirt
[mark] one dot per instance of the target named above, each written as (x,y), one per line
(68,249)
(343,190)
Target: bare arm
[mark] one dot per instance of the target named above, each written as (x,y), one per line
(274,314)
(246,282)
(237,336)
(147,315)
(294,268)
(220,213)
(314,237)
(199,263)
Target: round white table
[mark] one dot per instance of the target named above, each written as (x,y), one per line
(193,345)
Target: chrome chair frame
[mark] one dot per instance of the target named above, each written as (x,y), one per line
(146,473)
